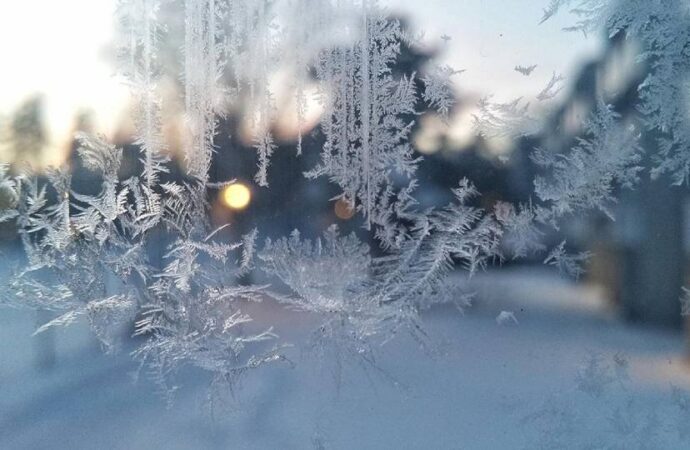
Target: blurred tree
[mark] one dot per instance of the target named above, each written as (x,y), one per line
(27,134)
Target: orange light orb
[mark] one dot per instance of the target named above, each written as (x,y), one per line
(344,209)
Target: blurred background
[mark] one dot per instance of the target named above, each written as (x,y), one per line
(57,390)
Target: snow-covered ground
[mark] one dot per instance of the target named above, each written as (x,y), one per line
(567,375)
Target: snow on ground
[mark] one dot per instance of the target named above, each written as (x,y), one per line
(557,379)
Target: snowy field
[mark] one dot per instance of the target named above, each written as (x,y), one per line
(568,375)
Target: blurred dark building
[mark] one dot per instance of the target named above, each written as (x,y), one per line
(640,257)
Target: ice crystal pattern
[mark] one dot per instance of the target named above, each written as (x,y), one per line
(660,28)
(87,254)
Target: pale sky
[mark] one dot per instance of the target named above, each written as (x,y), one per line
(491,37)
(60,50)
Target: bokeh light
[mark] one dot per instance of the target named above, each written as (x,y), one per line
(236,196)
(343,209)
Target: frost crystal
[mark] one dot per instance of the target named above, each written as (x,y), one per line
(660,28)
(438,89)
(88,255)
(685,303)
(525,70)
(567,264)
(366,122)
(142,32)
(372,298)
(585,177)
(509,119)
(552,88)
(506,318)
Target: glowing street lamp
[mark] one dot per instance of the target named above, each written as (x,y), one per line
(236,196)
